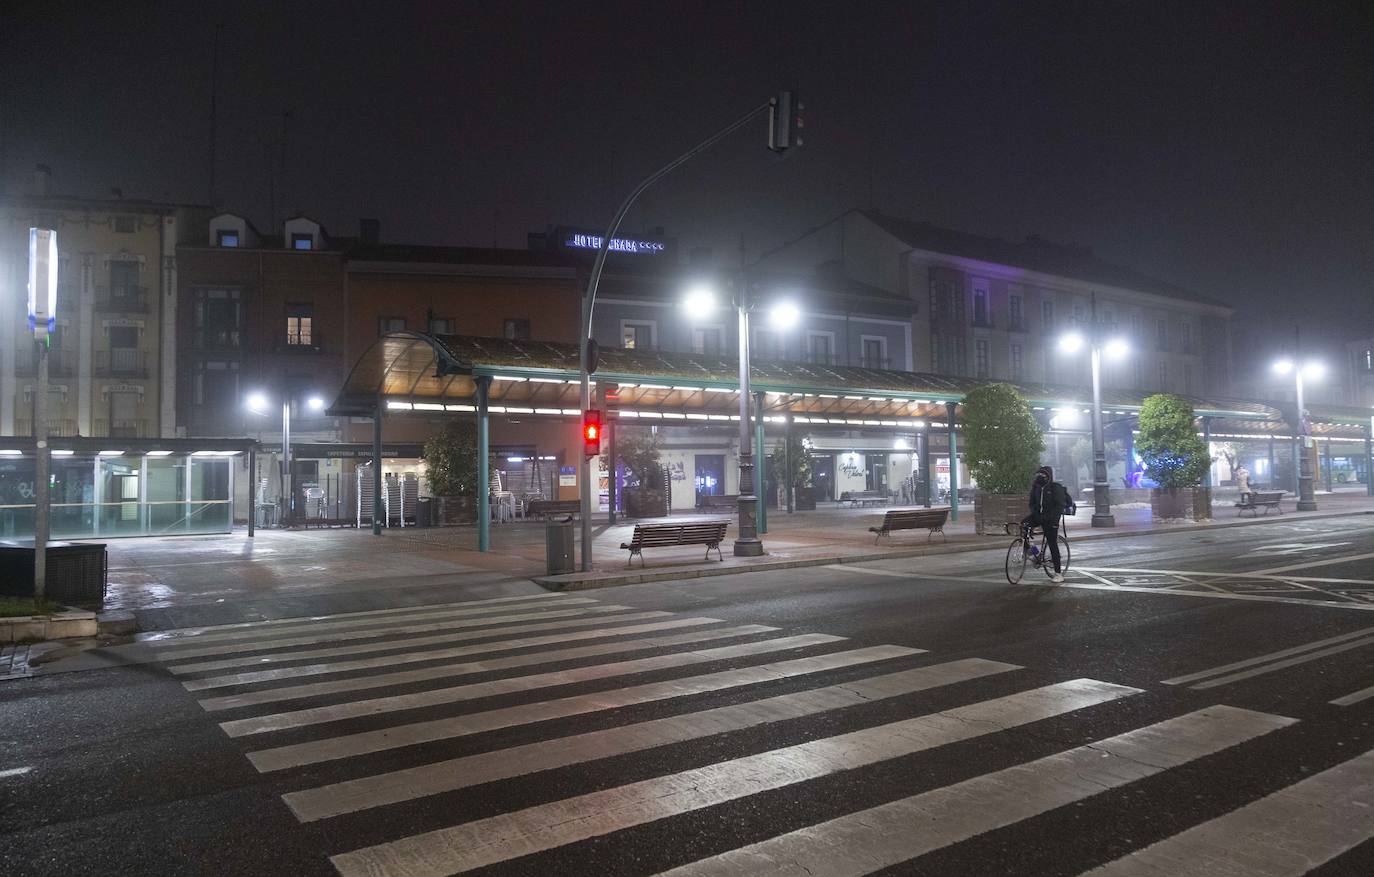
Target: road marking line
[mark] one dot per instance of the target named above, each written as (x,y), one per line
(512,685)
(890,834)
(14,772)
(446,776)
(1218,574)
(555,824)
(415,642)
(448,671)
(901,574)
(1307,564)
(493,626)
(1085,572)
(398,736)
(1272,656)
(1290,662)
(409,617)
(1285,834)
(1354,697)
(166,636)
(507,645)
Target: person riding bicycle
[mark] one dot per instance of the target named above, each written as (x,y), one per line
(1049,501)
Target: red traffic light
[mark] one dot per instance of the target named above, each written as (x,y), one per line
(591,433)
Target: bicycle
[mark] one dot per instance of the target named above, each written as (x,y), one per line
(1023,549)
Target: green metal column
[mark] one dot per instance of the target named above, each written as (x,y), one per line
(1369,458)
(923,444)
(483,469)
(953,466)
(378,508)
(760,462)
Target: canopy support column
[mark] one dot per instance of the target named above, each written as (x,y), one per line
(953,465)
(378,509)
(252,489)
(923,453)
(761,461)
(1273,473)
(1369,458)
(483,469)
(787,460)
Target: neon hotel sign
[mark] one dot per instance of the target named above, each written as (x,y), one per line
(580,241)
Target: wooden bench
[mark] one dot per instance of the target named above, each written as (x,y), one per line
(930,520)
(718,501)
(1267,498)
(545,508)
(859,498)
(708,533)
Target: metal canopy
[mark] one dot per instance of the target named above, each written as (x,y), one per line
(416,371)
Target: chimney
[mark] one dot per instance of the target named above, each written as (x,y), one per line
(370,231)
(42,179)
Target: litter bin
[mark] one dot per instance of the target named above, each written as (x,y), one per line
(424,512)
(558,544)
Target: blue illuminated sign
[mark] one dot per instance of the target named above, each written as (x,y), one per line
(579,241)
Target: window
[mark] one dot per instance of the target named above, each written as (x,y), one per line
(981,357)
(820,348)
(1078,314)
(446,326)
(228,237)
(216,319)
(1017,369)
(637,336)
(1047,314)
(1014,305)
(302,241)
(1187,330)
(217,385)
(125,224)
(511,330)
(299,325)
(707,340)
(390,324)
(1163,376)
(1368,358)
(980,303)
(123,279)
(1139,374)
(767,345)
(1162,334)
(874,352)
(937,352)
(1187,378)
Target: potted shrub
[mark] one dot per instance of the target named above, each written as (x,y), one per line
(792,462)
(451,472)
(644,495)
(1002,445)
(1175,458)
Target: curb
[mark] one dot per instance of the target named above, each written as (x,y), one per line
(572,582)
(67,624)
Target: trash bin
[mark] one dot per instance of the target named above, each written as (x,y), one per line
(558,544)
(424,512)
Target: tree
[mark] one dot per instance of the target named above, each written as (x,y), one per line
(798,455)
(638,450)
(1174,454)
(1002,439)
(451,459)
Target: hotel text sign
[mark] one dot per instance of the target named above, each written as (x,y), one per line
(580,241)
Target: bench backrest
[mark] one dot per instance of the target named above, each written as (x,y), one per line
(915,517)
(698,533)
(553,506)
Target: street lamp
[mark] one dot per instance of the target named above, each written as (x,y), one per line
(1314,371)
(258,403)
(1098,339)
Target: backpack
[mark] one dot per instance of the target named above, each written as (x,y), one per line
(1060,495)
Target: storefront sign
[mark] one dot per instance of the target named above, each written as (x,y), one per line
(583,241)
(567,476)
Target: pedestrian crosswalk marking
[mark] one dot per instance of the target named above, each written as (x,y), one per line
(258,660)
(186,633)
(398,736)
(447,671)
(1272,656)
(295,627)
(446,776)
(311,639)
(435,697)
(547,826)
(1287,833)
(440,654)
(889,834)
(1354,697)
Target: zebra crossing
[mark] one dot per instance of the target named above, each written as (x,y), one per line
(357,715)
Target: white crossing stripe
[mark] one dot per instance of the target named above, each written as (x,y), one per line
(326,637)
(547,826)
(1307,564)
(1272,656)
(1284,834)
(1354,697)
(395,737)
(446,671)
(167,637)
(247,638)
(507,645)
(400,644)
(435,697)
(889,834)
(458,773)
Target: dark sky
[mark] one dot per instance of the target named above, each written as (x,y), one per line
(1223,146)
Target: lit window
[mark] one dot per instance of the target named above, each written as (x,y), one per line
(300,320)
(637,336)
(228,238)
(302,242)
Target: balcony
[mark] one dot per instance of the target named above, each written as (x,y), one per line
(122,362)
(61,364)
(299,342)
(122,299)
(216,339)
(123,429)
(57,427)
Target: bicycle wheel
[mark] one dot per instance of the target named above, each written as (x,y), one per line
(1016,560)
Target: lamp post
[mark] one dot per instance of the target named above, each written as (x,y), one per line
(258,404)
(1098,341)
(42,312)
(700,302)
(1307,501)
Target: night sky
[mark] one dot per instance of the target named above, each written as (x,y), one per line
(1226,147)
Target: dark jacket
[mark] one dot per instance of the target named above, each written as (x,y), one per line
(1049,501)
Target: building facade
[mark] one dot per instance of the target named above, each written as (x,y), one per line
(1360,371)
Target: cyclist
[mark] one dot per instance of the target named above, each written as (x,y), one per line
(1049,501)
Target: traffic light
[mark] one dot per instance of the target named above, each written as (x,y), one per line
(785,122)
(591,433)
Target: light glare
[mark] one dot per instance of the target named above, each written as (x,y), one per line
(700,301)
(1117,348)
(1071,342)
(785,315)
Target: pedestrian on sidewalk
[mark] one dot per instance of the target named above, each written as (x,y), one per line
(1243,483)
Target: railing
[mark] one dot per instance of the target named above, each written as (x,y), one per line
(123,299)
(57,427)
(121,362)
(216,339)
(877,362)
(122,429)
(60,364)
